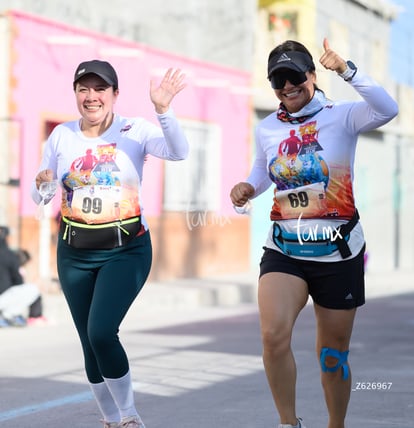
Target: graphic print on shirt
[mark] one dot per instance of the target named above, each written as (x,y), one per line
(93,192)
(305,185)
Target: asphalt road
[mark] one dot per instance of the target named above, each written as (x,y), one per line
(201,368)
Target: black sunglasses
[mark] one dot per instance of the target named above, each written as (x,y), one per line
(278,79)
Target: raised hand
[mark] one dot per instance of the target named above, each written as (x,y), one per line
(331,60)
(169,87)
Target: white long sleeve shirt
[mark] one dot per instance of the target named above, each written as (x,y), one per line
(311,163)
(101,177)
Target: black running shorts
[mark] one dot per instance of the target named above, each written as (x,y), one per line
(333,285)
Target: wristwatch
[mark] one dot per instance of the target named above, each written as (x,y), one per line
(350,71)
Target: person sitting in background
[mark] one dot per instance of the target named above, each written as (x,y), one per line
(15,296)
(35,312)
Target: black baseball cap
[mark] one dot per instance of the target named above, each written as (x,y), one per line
(101,68)
(292,60)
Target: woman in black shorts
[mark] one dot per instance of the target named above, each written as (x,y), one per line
(315,245)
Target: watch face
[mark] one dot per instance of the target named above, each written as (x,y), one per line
(351,65)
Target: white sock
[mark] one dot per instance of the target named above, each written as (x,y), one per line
(105,402)
(123,394)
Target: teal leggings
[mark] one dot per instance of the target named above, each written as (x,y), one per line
(99,287)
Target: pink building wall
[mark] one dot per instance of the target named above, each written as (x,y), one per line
(44,57)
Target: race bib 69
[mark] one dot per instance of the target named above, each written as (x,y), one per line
(308,201)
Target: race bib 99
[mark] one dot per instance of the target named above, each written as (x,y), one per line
(102,204)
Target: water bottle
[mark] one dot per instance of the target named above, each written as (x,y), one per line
(47,190)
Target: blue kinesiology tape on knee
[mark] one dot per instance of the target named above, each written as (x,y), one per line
(342,358)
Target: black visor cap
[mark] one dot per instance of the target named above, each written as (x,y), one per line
(292,60)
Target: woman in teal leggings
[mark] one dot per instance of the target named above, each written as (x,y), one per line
(100,286)
(104,249)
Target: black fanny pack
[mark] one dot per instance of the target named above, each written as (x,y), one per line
(103,236)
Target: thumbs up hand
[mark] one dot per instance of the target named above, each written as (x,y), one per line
(331,60)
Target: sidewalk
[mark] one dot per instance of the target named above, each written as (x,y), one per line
(188,295)
(382,284)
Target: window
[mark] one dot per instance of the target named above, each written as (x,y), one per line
(284,23)
(194,184)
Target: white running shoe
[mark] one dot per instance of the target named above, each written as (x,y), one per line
(298,425)
(131,422)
